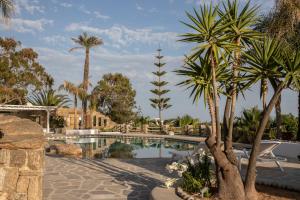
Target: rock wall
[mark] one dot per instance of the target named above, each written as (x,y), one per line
(21,159)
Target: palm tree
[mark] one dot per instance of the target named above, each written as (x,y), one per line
(241,20)
(283,23)
(249,121)
(86,42)
(77,92)
(268,60)
(7,8)
(48,98)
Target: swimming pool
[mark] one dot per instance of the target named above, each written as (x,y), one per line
(135,147)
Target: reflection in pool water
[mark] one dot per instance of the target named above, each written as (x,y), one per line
(131,147)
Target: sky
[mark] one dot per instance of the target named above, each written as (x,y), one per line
(132,31)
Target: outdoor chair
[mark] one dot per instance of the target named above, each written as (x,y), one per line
(265,153)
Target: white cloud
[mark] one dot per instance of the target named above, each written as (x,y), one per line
(100,16)
(122,35)
(83,9)
(66,5)
(55,39)
(96,14)
(153,10)
(26,26)
(138,7)
(29,6)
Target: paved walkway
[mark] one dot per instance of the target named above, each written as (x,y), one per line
(111,179)
(116,179)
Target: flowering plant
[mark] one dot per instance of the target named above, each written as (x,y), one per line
(194,174)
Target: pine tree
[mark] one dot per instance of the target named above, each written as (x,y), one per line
(159,102)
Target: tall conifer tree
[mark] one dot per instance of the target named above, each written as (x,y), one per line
(159,102)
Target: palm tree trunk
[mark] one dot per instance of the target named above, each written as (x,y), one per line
(228,142)
(264,93)
(85,85)
(298,133)
(75,112)
(250,190)
(226,118)
(230,184)
(216,100)
(278,118)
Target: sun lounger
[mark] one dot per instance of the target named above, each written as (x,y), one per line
(265,154)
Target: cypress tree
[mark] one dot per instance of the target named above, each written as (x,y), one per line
(159,102)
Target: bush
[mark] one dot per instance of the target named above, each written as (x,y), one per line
(195,174)
(289,127)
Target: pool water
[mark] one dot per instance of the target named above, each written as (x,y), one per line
(131,147)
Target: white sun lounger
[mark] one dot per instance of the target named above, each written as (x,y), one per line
(265,154)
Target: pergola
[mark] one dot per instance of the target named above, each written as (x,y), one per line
(48,109)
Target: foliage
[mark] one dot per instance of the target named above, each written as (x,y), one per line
(120,150)
(57,122)
(48,98)
(290,126)
(183,121)
(76,91)
(86,42)
(196,174)
(7,8)
(159,102)
(20,72)
(115,97)
(214,68)
(247,125)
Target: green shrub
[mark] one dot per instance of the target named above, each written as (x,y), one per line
(197,176)
(191,184)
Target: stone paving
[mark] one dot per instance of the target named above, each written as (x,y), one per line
(118,179)
(110,179)
(269,174)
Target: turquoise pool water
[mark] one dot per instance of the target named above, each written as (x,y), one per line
(132,147)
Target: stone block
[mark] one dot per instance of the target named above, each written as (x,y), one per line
(3,196)
(35,188)
(23,184)
(11,178)
(35,159)
(17,158)
(2,177)
(4,156)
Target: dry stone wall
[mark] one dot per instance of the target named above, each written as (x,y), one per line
(21,159)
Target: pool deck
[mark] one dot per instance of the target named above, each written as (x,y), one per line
(118,179)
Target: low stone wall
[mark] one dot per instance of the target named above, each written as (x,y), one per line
(21,159)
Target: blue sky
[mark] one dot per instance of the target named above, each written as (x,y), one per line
(131,31)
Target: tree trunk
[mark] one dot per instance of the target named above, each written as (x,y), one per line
(230,185)
(264,91)
(160,120)
(75,112)
(216,100)
(228,142)
(226,118)
(298,133)
(85,85)
(278,118)
(250,190)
